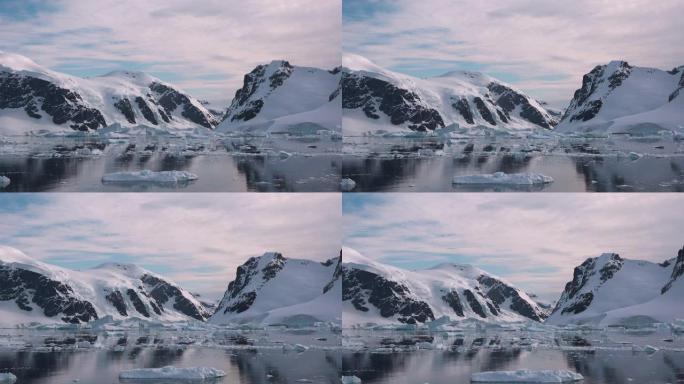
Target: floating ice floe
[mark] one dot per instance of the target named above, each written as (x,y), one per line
(501,178)
(8,378)
(4,181)
(172,373)
(347,184)
(147,176)
(527,376)
(350,380)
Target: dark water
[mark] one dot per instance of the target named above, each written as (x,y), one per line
(264,362)
(611,356)
(229,165)
(378,164)
(453,367)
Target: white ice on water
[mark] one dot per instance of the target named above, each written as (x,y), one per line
(501,178)
(4,181)
(350,380)
(7,378)
(149,176)
(347,184)
(172,373)
(526,376)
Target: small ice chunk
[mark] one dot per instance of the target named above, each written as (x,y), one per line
(526,376)
(7,378)
(635,156)
(350,380)
(172,373)
(501,178)
(300,347)
(149,177)
(347,184)
(4,181)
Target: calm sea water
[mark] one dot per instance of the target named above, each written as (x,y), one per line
(227,165)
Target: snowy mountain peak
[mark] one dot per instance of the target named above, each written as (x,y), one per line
(620,98)
(34,291)
(376,99)
(610,289)
(273,289)
(16,62)
(377,293)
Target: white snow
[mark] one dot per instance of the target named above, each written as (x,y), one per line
(4,181)
(149,177)
(172,373)
(299,106)
(631,297)
(350,380)
(640,106)
(501,178)
(7,378)
(100,92)
(437,93)
(293,297)
(428,285)
(92,285)
(526,376)
(347,184)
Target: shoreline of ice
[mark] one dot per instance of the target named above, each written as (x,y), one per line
(502,178)
(148,176)
(172,373)
(527,376)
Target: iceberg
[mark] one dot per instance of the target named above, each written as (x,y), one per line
(172,373)
(501,178)
(4,181)
(7,378)
(149,177)
(526,376)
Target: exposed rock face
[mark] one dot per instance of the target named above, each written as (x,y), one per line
(162,292)
(581,108)
(373,95)
(241,301)
(245,106)
(62,105)
(498,292)
(146,110)
(462,106)
(509,99)
(54,298)
(125,107)
(390,298)
(337,275)
(170,99)
(677,270)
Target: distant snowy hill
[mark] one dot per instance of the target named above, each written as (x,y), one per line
(620,98)
(33,291)
(272,289)
(33,97)
(382,294)
(375,98)
(279,97)
(609,290)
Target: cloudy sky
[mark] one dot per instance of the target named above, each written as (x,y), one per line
(198,240)
(542,46)
(533,241)
(204,47)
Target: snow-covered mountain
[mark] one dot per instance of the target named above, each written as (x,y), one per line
(272,289)
(33,291)
(609,290)
(33,97)
(279,97)
(620,98)
(375,98)
(382,294)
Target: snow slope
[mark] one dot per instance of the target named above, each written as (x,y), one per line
(620,98)
(610,290)
(35,98)
(33,291)
(279,97)
(272,289)
(375,99)
(382,294)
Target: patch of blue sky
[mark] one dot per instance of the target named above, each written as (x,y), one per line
(20,203)
(21,10)
(359,10)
